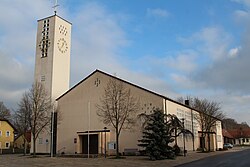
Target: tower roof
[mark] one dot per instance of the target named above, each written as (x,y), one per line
(55,15)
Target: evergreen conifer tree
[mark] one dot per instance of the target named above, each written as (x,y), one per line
(157,136)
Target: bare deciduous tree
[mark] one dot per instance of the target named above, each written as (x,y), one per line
(22,118)
(230,123)
(209,113)
(4,111)
(117,108)
(41,108)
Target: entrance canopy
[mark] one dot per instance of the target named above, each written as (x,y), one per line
(93,131)
(91,142)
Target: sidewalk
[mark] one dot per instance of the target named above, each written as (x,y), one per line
(130,161)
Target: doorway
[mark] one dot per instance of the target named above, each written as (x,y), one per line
(93,144)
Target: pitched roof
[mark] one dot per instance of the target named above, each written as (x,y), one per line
(240,133)
(3,119)
(129,83)
(225,133)
(27,136)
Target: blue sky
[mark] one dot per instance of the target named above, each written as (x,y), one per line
(175,48)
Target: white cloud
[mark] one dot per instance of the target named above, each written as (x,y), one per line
(182,81)
(96,41)
(157,12)
(230,74)
(244,2)
(241,13)
(17,46)
(99,46)
(209,41)
(184,61)
(15,78)
(241,17)
(234,52)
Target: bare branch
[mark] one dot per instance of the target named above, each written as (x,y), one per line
(117,107)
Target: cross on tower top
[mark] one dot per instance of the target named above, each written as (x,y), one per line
(55,6)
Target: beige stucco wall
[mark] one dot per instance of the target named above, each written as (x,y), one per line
(218,130)
(74,109)
(56,66)
(4,128)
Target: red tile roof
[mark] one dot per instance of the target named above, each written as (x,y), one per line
(225,133)
(240,133)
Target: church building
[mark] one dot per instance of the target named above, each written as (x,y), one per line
(77,106)
(78,110)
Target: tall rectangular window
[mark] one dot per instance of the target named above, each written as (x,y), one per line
(40,140)
(7,145)
(7,133)
(0,133)
(42,78)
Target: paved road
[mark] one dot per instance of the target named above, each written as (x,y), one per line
(231,159)
(15,160)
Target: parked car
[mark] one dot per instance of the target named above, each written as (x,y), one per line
(228,145)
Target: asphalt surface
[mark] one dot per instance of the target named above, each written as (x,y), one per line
(231,159)
(238,156)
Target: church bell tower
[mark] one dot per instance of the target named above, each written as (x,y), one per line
(52,65)
(52,68)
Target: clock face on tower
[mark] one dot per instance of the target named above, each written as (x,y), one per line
(62,45)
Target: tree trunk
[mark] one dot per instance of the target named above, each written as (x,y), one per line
(175,134)
(208,140)
(34,146)
(24,143)
(203,141)
(117,144)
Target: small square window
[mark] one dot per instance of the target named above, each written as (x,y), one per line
(42,78)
